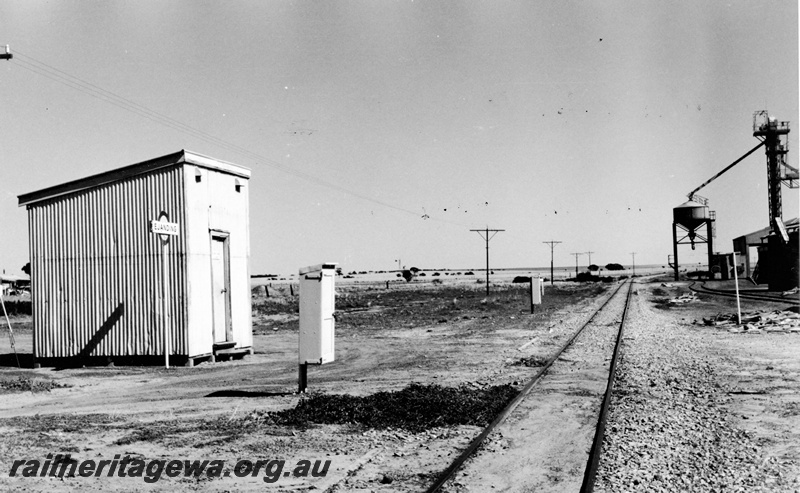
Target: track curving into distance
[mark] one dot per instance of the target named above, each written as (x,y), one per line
(746,295)
(591,467)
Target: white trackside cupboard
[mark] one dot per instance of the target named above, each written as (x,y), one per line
(317,306)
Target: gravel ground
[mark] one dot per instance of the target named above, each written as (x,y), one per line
(542,444)
(670,425)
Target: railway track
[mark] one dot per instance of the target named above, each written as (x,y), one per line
(620,297)
(746,295)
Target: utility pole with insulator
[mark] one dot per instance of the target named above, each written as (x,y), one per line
(577,254)
(552,244)
(485,235)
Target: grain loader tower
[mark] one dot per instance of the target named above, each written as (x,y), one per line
(778,259)
(691,215)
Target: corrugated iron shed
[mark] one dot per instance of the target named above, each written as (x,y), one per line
(742,244)
(96,268)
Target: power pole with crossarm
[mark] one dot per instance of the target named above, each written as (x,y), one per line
(578,254)
(485,235)
(552,244)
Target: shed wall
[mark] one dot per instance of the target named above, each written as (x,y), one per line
(213,204)
(96,269)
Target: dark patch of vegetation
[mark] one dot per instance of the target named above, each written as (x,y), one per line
(379,308)
(614,267)
(275,305)
(659,292)
(215,431)
(414,408)
(531,361)
(593,268)
(66,423)
(521,279)
(142,435)
(21,307)
(24,384)
(589,277)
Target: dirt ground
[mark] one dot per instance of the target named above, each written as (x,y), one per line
(443,334)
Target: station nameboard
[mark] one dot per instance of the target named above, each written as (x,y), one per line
(164,228)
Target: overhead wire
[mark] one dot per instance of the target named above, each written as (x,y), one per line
(38,67)
(99,93)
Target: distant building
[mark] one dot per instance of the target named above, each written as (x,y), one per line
(12,283)
(754,249)
(96,264)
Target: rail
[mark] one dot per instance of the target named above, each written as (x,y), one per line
(776,298)
(594,455)
(476,442)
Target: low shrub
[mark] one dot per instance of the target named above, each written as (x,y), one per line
(416,408)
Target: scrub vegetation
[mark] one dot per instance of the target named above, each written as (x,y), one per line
(415,408)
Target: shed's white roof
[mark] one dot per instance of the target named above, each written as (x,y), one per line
(119,174)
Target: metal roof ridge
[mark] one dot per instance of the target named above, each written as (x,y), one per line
(789,223)
(205,161)
(98,179)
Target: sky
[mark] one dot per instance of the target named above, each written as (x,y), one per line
(386,131)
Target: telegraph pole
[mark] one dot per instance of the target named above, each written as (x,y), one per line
(552,244)
(633,256)
(590,257)
(485,235)
(578,254)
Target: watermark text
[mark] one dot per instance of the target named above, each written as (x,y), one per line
(151,471)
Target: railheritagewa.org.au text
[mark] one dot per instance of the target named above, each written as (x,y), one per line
(151,471)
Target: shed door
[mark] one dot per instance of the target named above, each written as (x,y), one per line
(220,288)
